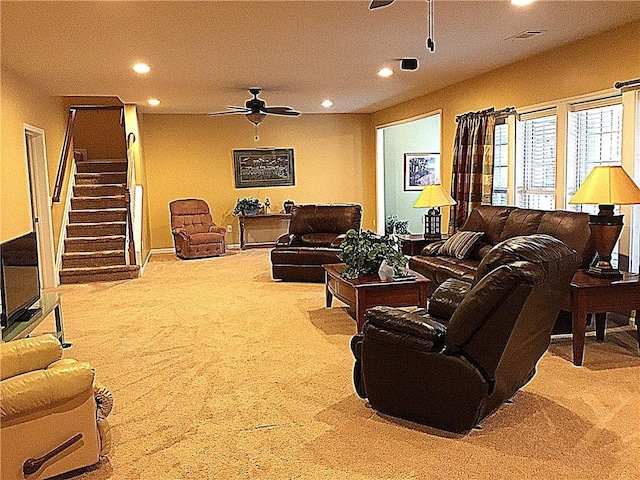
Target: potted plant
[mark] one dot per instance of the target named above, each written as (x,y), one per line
(395,226)
(247,206)
(363,253)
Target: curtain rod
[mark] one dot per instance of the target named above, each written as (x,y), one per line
(490,111)
(629,83)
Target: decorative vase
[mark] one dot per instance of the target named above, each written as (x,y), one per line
(288,205)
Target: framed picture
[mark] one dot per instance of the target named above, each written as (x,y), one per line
(264,167)
(421,169)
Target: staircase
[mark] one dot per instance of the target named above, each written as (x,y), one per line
(95,247)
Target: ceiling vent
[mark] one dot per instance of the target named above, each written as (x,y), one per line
(526,34)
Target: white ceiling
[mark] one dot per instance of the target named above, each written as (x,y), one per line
(205,54)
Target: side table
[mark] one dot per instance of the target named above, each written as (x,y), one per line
(600,295)
(277,223)
(413,244)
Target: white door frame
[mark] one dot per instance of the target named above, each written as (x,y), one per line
(36,156)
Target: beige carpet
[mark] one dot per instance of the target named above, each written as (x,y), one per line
(218,372)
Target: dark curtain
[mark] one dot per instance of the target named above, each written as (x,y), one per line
(472,164)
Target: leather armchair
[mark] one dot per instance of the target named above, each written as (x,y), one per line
(194,233)
(53,413)
(456,364)
(314,238)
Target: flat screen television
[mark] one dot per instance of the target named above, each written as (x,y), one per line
(19,278)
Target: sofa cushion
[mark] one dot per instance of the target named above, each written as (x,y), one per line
(522,222)
(490,220)
(318,239)
(439,269)
(573,229)
(203,238)
(459,245)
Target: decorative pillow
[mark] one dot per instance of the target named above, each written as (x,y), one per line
(459,245)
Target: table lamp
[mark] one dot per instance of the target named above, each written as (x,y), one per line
(606,185)
(433,197)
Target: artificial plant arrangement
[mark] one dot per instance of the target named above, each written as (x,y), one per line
(393,225)
(363,253)
(247,206)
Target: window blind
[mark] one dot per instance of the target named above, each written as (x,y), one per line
(500,164)
(536,162)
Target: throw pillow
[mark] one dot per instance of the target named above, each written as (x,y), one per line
(459,245)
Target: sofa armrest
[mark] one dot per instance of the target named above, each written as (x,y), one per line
(338,240)
(33,392)
(28,354)
(217,229)
(289,240)
(432,249)
(447,297)
(180,232)
(408,328)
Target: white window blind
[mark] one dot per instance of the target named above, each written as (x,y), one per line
(500,164)
(594,137)
(536,162)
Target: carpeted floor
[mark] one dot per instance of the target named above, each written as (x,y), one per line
(218,372)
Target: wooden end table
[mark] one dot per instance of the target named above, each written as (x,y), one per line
(366,292)
(278,223)
(600,295)
(412,244)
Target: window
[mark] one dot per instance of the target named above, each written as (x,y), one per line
(536,162)
(500,164)
(594,137)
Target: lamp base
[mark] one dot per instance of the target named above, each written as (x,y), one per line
(605,230)
(604,272)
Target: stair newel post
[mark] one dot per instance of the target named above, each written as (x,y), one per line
(131,247)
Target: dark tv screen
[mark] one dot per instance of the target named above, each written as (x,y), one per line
(20,280)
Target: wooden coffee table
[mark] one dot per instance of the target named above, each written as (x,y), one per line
(366,292)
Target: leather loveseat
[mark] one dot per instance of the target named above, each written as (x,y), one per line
(450,369)
(314,238)
(499,224)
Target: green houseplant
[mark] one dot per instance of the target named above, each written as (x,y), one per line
(363,253)
(247,206)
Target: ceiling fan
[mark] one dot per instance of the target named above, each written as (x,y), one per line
(255,109)
(430,43)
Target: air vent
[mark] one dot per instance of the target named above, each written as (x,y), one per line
(526,34)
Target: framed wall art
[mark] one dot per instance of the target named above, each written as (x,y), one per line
(421,169)
(264,167)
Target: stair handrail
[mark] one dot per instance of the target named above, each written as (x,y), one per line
(131,138)
(62,166)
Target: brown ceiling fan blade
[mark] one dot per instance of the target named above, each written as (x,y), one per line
(379,3)
(242,109)
(280,111)
(228,112)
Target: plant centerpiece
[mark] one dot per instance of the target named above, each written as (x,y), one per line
(247,206)
(364,251)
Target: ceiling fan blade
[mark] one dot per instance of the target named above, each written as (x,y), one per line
(379,3)
(228,112)
(280,111)
(242,109)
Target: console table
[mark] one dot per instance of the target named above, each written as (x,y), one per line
(273,224)
(49,302)
(600,295)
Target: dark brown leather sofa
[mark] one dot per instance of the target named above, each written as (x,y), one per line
(314,238)
(501,223)
(194,233)
(451,371)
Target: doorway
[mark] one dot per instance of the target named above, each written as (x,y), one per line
(36,155)
(396,144)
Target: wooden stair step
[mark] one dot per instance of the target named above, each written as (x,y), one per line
(96,203)
(94,244)
(95,216)
(93,259)
(96,229)
(99,190)
(105,178)
(102,165)
(99,274)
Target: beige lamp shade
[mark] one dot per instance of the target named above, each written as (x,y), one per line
(607,185)
(433,196)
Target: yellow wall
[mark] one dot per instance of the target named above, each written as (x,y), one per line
(191,156)
(590,65)
(22,103)
(99,133)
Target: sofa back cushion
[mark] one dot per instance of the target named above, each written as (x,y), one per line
(522,222)
(573,229)
(336,219)
(490,220)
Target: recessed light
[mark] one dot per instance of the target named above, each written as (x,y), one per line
(154,102)
(385,72)
(141,68)
(521,3)
(327,103)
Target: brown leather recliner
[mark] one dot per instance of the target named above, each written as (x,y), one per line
(194,233)
(53,413)
(450,371)
(314,238)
